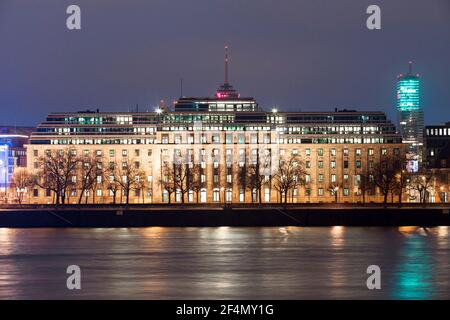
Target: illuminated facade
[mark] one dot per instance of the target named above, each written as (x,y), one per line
(221,136)
(12,151)
(410,116)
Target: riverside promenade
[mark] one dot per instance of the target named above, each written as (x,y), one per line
(135,215)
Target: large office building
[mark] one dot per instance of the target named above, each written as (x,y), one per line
(221,136)
(410,116)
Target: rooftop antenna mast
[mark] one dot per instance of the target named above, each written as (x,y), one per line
(410,67)
(226,64)
(181,87)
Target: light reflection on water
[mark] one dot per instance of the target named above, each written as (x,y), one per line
(226,263)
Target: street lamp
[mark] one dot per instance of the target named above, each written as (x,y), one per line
(336,189)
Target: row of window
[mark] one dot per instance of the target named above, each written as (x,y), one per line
(215,152)
(217,194)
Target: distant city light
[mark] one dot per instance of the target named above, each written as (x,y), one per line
(158,110)
(274,110)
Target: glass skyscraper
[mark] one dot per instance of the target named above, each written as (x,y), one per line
(410,116)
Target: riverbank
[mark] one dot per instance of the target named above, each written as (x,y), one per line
(212,216)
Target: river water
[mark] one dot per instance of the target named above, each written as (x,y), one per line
(226,263)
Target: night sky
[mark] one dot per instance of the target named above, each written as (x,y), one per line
(295,54)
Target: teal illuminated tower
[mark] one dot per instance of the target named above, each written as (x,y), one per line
(410,115)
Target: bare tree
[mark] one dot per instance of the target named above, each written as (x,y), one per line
(22,180)
(57,167)
(130,174)
(253,176)
(87,170)
(385,172)
(422,183)
(401,182)
(98,178)
(167,180)
(290,174)
(114,178)
(195,182)
(140,183)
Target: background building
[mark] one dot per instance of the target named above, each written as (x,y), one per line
(437,155)
(12,151)
(410,117)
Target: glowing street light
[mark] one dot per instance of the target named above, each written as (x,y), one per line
(274,110)
(158,110)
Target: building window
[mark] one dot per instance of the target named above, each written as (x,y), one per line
(124,153)
(266,195)
(320,192)
(358,152)
(345,152)
(333,164)
(346,192)
(111,153)
(333,178)
(345,164)
(333,152)
(216,195)
(308,164)
(203,195)
(345,177)
(165,196)
(308,152)
(165,139)
(99,192)
(136,153)
(320,164)
(229,195)
(241,195)
(98,153)
(215,138)
(370,152)
(320,152)
(358,164)
(320,177)
(35,153)
(383,152)
(35,193)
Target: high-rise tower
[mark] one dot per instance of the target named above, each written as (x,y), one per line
(410,116)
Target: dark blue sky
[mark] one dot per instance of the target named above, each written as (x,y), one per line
(296,54)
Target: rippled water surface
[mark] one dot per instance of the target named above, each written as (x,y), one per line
(226,263)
